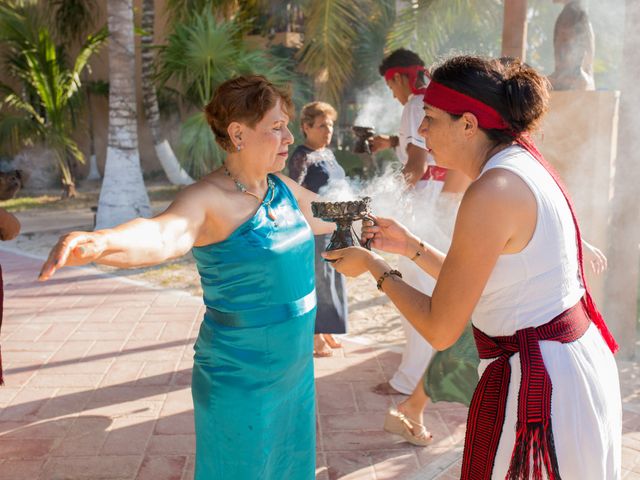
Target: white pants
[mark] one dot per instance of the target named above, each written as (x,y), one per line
(417,351)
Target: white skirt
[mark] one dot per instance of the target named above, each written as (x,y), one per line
(586,410)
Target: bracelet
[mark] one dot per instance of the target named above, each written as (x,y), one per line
(418,252)
(394,141)
(387,274)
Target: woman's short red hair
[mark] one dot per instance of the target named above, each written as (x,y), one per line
(244,99)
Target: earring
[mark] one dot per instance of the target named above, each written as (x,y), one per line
(238,147)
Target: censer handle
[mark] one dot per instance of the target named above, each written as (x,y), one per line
(366,244)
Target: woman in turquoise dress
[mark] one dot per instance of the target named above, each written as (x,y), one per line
(251,233)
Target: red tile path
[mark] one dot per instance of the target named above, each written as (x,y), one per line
(97,387)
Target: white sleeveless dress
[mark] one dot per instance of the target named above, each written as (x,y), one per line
(530,288)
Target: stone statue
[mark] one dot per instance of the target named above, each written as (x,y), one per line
(574,47)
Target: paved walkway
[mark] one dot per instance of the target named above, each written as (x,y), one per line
(97,387)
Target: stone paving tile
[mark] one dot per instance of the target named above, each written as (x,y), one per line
(162,467)
(98,370)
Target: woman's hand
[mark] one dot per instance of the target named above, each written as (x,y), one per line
(351,261)
(387,235)
(595,257)
(75,248)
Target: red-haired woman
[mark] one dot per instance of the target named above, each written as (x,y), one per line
(250,230)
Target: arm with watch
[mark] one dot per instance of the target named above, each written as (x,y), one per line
(482,233)
(355,261)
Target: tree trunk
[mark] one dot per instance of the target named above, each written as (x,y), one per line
(621,286)
(172,169)
(123,195)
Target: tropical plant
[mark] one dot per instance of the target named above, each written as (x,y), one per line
(123,195)
(331,30)
(172,169)
(45,108)
(70,20)
(200,54)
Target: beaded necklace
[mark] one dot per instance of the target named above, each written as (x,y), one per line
(242,188)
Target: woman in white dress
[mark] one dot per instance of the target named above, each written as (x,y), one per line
(548,401)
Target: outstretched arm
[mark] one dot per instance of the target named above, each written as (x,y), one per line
(137,243)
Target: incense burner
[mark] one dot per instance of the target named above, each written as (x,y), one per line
(343,214)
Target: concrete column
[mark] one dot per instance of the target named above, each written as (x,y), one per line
(514,29)
(621,287)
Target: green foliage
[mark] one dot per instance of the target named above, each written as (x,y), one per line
(180,10)
(72,18)
(434,28)
(331,33)
(46,107)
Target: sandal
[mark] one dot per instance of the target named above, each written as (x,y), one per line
(413,432)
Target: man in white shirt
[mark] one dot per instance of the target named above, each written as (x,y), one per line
(406,77)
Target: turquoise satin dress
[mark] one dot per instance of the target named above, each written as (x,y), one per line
(253,386)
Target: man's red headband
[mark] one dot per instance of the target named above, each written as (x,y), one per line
(456,103)
(411,72)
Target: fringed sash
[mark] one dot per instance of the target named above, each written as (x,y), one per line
(534,445)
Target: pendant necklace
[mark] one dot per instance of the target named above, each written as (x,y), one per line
(242,188)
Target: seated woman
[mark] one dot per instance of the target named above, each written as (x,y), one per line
(548,401)
(313,166)
(250,230)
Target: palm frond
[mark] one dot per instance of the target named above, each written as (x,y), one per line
(18,131)
(14,101)
(430,27)
(199,55)
(91,46)
(331,31)
(72,18)
(197,149)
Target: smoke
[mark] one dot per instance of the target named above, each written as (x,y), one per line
(378,108)
(423,211)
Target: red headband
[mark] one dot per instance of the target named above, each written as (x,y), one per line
(411,72)
(456,103)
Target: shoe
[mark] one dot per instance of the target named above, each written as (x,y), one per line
(413,432)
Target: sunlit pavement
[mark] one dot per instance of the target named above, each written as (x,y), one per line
(97,373)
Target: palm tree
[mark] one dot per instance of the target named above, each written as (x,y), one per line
(123,195)
(164,152)
(46,109)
